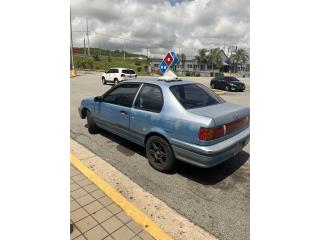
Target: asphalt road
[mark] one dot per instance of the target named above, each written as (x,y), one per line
(216,199)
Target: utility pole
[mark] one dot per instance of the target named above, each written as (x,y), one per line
(124,52)
(72,63)
(88,37)
(84,46)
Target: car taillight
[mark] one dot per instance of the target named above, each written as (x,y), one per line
(207,134)
(123,75)
(236,125)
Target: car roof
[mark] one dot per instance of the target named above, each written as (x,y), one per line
(161,83)
(121,68)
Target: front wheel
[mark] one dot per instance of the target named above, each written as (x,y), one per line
(160,154)
(116,81)
(227,88)
(212,85)
(104,81)
(92,126)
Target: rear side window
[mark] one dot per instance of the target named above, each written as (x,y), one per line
(115,71)
(122,95)
(195,96)
(150,99)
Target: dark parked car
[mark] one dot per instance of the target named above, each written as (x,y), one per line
(227,83)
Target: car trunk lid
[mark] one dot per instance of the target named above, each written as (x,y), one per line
(222,113)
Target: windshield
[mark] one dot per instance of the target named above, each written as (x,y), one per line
(233,79)
(195,95)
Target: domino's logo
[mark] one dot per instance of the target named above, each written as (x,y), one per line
(169,61)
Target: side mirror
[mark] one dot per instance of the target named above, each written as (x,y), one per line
(98,99)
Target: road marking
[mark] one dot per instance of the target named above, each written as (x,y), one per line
(132,211)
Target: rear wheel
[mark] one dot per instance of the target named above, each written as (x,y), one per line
(227,88)
(160,154)
(212,85)
(92,126)
(116,81)
(104,81)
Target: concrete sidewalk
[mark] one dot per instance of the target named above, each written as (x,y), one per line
(95,216)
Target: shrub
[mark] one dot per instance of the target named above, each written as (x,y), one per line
(197,74)
(84,63)
(139,69)
(188,74)
(96,56)
(211,74)
(218,74)
(137,62)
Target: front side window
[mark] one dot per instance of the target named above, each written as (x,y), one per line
(110,71)
(122,95)
(150,99)
(195,96)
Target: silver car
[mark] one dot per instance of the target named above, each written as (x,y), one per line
(173,120)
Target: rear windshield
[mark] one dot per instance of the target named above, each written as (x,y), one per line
(195,95)
(128,71)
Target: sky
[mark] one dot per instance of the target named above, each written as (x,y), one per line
(156,26)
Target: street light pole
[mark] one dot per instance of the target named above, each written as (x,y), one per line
(72,63)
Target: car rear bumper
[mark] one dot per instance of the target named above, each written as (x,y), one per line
(209,156)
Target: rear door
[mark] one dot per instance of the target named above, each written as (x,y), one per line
(114,112)
(146,113)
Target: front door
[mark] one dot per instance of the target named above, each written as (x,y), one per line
(114,111)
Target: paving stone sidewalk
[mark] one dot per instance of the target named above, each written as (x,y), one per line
(95,216)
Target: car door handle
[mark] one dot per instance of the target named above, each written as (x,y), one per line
(124,112)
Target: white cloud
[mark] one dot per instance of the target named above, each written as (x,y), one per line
(162,25)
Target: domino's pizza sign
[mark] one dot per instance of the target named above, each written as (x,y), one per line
(169,61)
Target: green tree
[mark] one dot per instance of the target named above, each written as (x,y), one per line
(214,58)
(182,58)
(241,56)
(201,58)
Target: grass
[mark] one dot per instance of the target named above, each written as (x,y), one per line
(115,60)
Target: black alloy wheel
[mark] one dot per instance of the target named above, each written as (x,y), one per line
(160,154)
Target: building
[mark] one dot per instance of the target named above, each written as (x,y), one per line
(194,66)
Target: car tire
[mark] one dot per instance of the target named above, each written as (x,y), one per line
(92,126)
(104,81)
(227,88)
(212,85)
(160,154)
(116,81)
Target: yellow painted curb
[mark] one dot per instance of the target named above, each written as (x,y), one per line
(218,92)
(136,214)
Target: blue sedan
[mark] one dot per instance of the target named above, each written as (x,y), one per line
(173,120)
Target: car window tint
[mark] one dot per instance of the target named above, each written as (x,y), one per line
(122,95)
(131,72)
(195,95)
(110,71)
(150,99)
(115,71)
(125,71)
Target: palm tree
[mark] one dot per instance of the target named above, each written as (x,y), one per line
(215,58)
(241,56)
(201,58)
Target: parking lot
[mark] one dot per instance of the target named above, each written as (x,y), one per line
(216,199)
